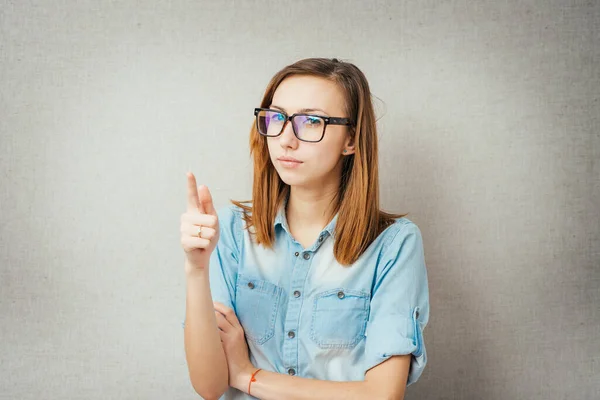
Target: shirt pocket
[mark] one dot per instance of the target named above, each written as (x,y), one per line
(339,318)
(257,304)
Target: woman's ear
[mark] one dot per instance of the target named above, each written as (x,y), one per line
(349,146)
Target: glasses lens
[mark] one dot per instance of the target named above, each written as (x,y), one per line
(269,123)
(309,127)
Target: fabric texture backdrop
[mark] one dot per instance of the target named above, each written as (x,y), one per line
(489,139)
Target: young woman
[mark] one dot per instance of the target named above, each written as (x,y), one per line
(309,291)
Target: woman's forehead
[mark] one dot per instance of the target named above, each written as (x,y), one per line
(297,93)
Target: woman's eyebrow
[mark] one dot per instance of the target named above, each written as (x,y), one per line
(302,110)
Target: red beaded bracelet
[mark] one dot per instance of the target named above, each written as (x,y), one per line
(253,379)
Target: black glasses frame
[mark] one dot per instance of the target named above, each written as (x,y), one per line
(327,120)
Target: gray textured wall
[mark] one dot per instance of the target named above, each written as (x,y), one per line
(489,138)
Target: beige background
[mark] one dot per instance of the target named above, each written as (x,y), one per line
(489,139)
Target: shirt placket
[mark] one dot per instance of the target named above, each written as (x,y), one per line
(300,269)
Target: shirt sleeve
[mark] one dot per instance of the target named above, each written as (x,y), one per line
(224,260)
(399,302)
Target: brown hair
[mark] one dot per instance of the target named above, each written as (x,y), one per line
(359,184)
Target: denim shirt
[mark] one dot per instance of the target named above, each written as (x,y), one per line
(305,314)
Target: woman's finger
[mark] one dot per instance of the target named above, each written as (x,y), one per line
(222,322)
(193,202)
(228,313)
(192,230)
(190,243)
(195,218)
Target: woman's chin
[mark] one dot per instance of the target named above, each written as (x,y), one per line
(290,178)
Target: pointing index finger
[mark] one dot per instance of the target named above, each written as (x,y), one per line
(193,200)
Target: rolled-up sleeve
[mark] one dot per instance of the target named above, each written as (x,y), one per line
(399,302)
(224,260)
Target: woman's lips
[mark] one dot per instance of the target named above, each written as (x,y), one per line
(289,164)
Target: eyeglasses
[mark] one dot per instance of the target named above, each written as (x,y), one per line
(306,127)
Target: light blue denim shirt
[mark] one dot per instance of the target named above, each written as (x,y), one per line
(305,314)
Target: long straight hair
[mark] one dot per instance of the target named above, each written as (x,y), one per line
(359,184)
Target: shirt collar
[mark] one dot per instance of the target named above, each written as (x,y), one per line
(281,219)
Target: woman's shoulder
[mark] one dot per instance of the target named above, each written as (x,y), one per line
(402,247)
(399,229)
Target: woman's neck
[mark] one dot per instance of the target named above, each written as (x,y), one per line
(310,209)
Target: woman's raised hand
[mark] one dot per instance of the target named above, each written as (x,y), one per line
(200,213)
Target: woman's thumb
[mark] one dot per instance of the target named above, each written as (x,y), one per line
(205,199)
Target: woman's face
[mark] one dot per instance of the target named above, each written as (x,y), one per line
(320,162)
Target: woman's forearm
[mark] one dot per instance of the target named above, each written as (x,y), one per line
(272,385)
(206,360)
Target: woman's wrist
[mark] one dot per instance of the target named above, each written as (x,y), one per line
(242,379)
(192,271)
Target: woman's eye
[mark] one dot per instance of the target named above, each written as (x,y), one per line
(313,121)
(277,118)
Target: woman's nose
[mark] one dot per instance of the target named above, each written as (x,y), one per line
(287,137)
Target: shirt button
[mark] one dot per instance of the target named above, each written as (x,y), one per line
(296,293)
(291,334)
(306,256)
(341,295)
(296,254)
(291,371)
(417,314)
(251,285)
(320,238)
